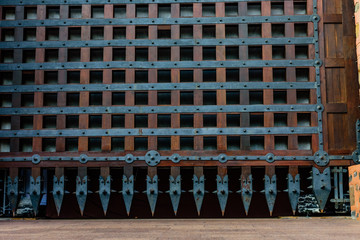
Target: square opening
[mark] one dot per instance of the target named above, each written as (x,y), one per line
(232,97)
(304,142)
(119,33)
(186,98)
(164,33)
(164,143)
(277,8)
(141,121)
(302,74)
(28,78)
(97,33)
(72,121)
(280,120)
(209,75)
(164,98)
(279,74)
(255,52)
(6,78)
(209,53)
(7,56)
(52,34)
(163,120)
(281,142)
(51,55)
(208,10)
(8,13)
(49,144)
(73,77)
(186,76)
(209,120)
(117,144)
(231,31)
(278,52)
(97,12)
(300,8)
(186,32)
(75,12)
(4,145)
(232,120)
(71,144)
(7,35)
(186,120)
(278,30)
(141,98)
(96,76)
(119,54)
(209,97)
(141,76)
(231,9)
(140,143)
(232,53)
(164,53)
(5,122)
(95,121)
(208,31)
(74,34)
(254,30)
(29,34)
(118,98)
(256,97)
(95,98)
(233,142)
(74,55)
(164,76)
(72,99)
(164,11)
(27,100)
(186,10)
(186,143)
(53,12)
(25,145)
(210,143)
(30,13)
(96,54)
(94,144)
(142,11)
(49,122)
(255,75)
(254,9)
(117,121)
(118,76)
(120,11)
(141,54)
(141,32)
(29,56)
(256,142)
(256,120)
(232,75)
(303,97)
(280,97)
(26,122)
(186,54)
(301,29)
(50,77)
(301,52)
(50,99)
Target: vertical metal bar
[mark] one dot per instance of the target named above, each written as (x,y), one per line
(336,193)
(4,193)
(341,189)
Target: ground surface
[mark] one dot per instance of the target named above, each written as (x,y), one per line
(285,228)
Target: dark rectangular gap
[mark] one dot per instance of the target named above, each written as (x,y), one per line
(29,34)
(231,10)
(164,11)
(208,10)
(278,30)
(96,54)
(210,143)
(141,76)
(75,12)
(254,30)
(231,31)
(256,97)
(303,96)
(49,144)
(7,35)
(141,54)
(163,120)
(49,122)
(117,144)
(281,142)
(30,13)
(164,32)
(164,53)
(301,29)
(4,145)
(71,144)
(300,8)
(141,32)
(280,120)
(278,52)
(118,76)
(164,143)
(232,97)
(209,120)
(94,144)
(141,121)
(27,99)
(97,12)
(141,98)
(6,78)
(186,98)
(186,120)
(95,98)
(232,75)
(233,143)
(253,9)
(50,99)
(7,56)
(142,11)
(25,145)
(303,119)
(208,31)
(51,55)
(50,77)
(255,75)
(209,75)
(72,99)
(96,76)
(232,53)
(73,55)
(74,33)
(277,8)
(164,98)
(118,98)
(186,10)
(5,122)
(26,122)
(72,121)
(304,142)
(117,121)
(279,74)
(256,142)
(209,98)
(52,12)
(301,52)
(186,143)
(255,52)
(186,76)
(186,32)
(209,53)
(97,33)
(73,77)
(52,34)
(279,97)
(28,78)
(119,33)
(302,74)
(95,121)
(164,76)
(29,56)
(119,11)
(256,120)
(232,120)
(140,143)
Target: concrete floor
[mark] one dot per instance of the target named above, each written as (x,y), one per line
(284,228)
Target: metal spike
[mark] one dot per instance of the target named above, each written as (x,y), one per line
(270,192)
(199,191)
(81,192)
(246,191)
(175,192)
(12,192)
(152,192)
(321,186)
(128,192)
(104,192)
(222,192)
(35,192)
(58,192)
(294,191)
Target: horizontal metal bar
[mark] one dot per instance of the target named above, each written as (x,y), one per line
(84,2)
(157,21)
(157,86)
(157,109)
(172,65)
(159,132)
(157,42)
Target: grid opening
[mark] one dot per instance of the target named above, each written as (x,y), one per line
(29,56)
(30,13)
(302,74)
(53,12)
(254,30)
(119,33)
(164,143)
(279,74)
(304,142)
(232,97)
(164,98)
(140,143)
(118,98)
(233,120)
(209,53)
(117,144)
(52,34)
(164,76)
(208,10)
(29,34)
(50,77)
(256,142)
(120,11)
(97,12)
(209,75)
(163,120)
(300,29)
(141,121)
(280,97)
(97,33)
(231,9)
(209,98)
(186,32)
(49,144)
(72,121)
(142,11)
(278,52)
(74,34)
(232,75)
(95,98)
(281,142)
(141,98)
(186,98)
(51,55)
(231,31)
(164,54)
(208,31)
(73,77)
(141,32)
(256,75)
(72,99)
(277,8)
(210,143)
(28,78)
(27,100)
(71,144)
(186,143)
(5,122)
(186,120)
(164,11)
(303,96)
(6,78)
(96,54)
(117,121)
(118,76)
(303,119)
(186,10)
(95,121)
(96,76)
(233,143)
(26,122)
(256,120)
(50,99)
(278,30)
(74,55)
(7,35)
(25,145)
(49,122)
(209,120)
(75,12)
(141,54)
(141,76)
(256,97)
(94,144)
(254,9)
(186,76)
(280,120)
(4,145)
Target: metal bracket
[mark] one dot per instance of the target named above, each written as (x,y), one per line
(58,192)
(270,192)
(293,191)
(222,191)
(128,192)
(129,158)
(104,192)
(12,192)
(321,183)
(321,158)
(152,192)
(175,158)
(199,191)
(175,192)
(246,191)
(152,158)
(36,159)
(83,158)
(270,157)
(222,158)
(81,192)
(35,192)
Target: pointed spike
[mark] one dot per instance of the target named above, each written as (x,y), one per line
(222,212)
(175,212)
(271,213)
(294,212)
(198,213)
